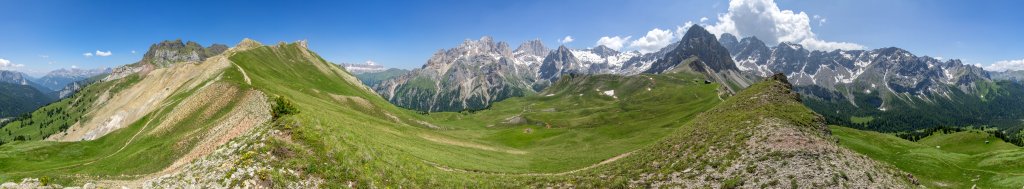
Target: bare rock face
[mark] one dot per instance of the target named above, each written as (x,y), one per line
(880,71)
(468,77)
(166,53)
(700,51)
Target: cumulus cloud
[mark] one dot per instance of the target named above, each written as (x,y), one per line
(566,39)
(87,54)
(703,19)
(681,30)
(764,19)
(653,41)
(1005,65)
(6,64)
(615,43)
(101,53)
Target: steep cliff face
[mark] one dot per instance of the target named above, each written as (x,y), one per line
(886,73)
(165,53)
(700,51)
(468,77)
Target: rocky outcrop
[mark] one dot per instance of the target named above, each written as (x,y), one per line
(761,138)
(166,53)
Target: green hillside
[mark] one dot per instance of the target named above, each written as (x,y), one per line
(16,100)
(59,116)
(955,160)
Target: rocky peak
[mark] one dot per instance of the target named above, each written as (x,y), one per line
(729,42)
(533,47)
(248,43)
(169,52)
(790,45)
(604,51)
(704,45)
(484,45)
(13,77)
(216,49)
(557,63)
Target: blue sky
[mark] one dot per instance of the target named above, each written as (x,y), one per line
(38,36)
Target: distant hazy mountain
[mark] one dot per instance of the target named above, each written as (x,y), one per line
(59,79)
(368,67)
(1009,75)
(374,78)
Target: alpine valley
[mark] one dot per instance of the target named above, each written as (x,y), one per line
(705,109)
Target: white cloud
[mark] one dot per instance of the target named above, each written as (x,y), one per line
(703,19)
(1005,65)
(615,43)
(44,56)
(821,19)
(681,30)
(133,51)
(87,54)
(566,39)
(764,19)
(6,64)
(653,41)
(101,53)
(370,62)
(74,67)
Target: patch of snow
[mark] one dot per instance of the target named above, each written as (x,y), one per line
(610,93)
(587,57)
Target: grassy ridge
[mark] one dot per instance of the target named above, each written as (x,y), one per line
(126,153)
(957,160)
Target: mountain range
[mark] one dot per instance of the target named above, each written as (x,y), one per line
(478,73)
(891,86)
(22,93)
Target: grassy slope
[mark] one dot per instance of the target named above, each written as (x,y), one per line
(113,156)
(959,159)
(372,143)
(375,143)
